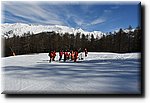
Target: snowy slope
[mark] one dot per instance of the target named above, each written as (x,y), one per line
(103,73)
(20,28)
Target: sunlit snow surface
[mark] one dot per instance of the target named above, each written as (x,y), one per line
(102,73)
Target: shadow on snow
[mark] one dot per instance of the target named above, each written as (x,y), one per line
(128,68)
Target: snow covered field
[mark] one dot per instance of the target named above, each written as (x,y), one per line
(102,73)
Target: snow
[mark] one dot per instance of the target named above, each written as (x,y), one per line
(125,30)
(102,73)
(21,28)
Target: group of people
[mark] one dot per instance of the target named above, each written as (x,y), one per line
(67,54)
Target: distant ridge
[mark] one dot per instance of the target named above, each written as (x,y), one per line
(8,30)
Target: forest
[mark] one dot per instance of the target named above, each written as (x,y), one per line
(118,42)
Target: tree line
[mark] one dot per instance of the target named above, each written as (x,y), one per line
(120,42)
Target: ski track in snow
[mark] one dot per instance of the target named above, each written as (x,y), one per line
(103,73)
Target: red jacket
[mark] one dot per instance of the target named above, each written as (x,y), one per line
(54,54)
(67,54)
(76,54)
(60,53)
(51,54)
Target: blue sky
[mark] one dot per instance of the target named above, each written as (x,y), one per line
(90,16)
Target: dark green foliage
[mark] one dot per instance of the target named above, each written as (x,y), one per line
(44,42)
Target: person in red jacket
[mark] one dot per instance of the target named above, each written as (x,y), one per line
(75,55)
(50,55)
(60,55)
(54,55)
(65,55)
(70,55)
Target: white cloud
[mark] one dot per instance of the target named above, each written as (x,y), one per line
(33,12)
(98,21)
(78,21)
(38,13)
